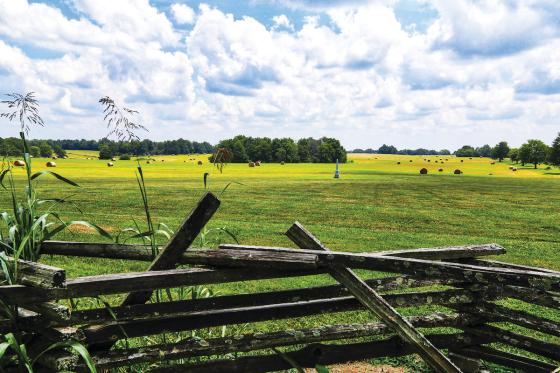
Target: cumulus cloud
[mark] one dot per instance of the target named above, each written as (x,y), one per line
(481,71)
(282,21)
(183,14)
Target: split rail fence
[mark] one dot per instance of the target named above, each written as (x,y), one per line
(473,291)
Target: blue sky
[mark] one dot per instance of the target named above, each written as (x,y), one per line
(413,73)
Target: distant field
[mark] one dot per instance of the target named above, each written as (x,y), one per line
(376,205)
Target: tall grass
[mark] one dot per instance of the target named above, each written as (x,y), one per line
(30,221)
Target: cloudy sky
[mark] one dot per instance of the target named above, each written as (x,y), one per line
(413,73)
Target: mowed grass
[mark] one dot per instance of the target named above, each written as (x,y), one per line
(376,205)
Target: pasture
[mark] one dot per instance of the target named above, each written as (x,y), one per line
(376,205)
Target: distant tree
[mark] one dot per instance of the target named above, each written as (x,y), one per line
(514,155)
(35,151)
(45,149)
(554,155)
(444,152)
(466,151)
(533,151)
(60,153)
(105,152)
(484,151)
(500,151)
(387,149)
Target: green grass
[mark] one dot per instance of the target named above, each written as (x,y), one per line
(376,205)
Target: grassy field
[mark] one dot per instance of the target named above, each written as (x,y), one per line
(377,204)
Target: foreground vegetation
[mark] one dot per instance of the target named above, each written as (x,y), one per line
(377,204)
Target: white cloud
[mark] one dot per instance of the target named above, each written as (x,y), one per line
(482,72)
(183,14)
(282,21)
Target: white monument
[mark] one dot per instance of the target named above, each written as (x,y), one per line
(336,173)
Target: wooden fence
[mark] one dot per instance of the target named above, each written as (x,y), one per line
(470,288)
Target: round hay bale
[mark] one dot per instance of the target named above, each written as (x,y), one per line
(514,169)
(251,164)
(51,164)
(470,157)
(109,164)
(492,162)
(19,163)
(457,172)
(282,163)
(257,163)
(113,159)
(163,160)
(436,161)
(54,157)
(410,160)
(461,161)
(511,167)
(199,163)
(423,171)
(429,160)
(440,169)
(398,162)
(147,162)
(490,174)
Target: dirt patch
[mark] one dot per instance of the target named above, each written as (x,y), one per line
(82,229)
(360,367)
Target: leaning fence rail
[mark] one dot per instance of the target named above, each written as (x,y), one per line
(468,286)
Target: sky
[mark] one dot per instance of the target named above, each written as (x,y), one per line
(412,73)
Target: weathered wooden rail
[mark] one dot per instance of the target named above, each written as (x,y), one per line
(470,294)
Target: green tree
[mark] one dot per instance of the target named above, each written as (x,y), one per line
(514,155)
(533,151)
(60,153)
(35,151)
(484,151)
(45,150)
(465,151)
(500,151)
(105,152)
(554,156)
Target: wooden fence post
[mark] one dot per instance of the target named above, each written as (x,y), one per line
(375,303)
(169,256)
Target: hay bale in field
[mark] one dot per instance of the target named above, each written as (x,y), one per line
(410,160)
(54,157)
(251,164)
(423,171)
(492,162)
(282,163)
(257,163)
(457,172)
(113,159)
(110,164)
(470,157)
(147,162)
(398,162)
(436,161)
(163,160)
(51,164)
(19,163)
(461,161)
(511,167)
(429,160)
(199,163)
(514,169)
(490,174)
(440,169)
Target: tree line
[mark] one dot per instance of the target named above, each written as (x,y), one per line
(264,149)
(11,146)
(390,149)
